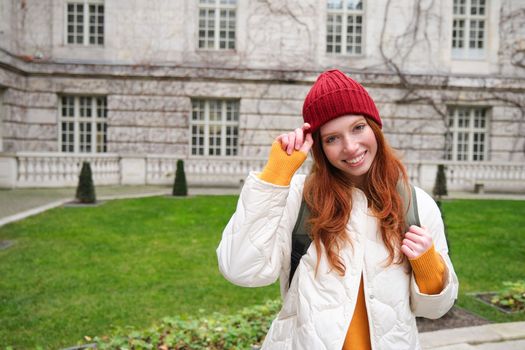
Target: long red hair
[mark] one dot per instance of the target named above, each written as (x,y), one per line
(327,193)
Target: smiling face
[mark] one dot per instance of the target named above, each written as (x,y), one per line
(350,145)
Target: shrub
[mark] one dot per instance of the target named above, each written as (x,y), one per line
(440,189)
(216,332)
(180,188)
(440,185)
(85,189)
(512,296)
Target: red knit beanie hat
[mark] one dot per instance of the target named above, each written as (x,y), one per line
(334,95)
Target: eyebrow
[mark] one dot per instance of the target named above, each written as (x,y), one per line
(336,132)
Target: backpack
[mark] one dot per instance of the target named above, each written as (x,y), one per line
(301,232)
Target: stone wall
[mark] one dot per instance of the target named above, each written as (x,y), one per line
(151,116)
(149,69)
(270,34)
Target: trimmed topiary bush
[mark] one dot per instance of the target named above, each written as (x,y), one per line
(439,190)
(86,189)
(440,185)
(180,188)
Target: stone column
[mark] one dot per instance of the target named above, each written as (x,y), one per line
(427,176)
(133,170)
(8,170)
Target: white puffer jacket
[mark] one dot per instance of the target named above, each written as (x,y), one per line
(317,310)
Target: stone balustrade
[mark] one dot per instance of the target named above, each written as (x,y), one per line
(61,169)
(464,176)
(209,171)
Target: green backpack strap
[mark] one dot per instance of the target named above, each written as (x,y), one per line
(409,199)
(301,239)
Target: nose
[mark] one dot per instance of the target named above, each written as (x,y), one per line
(350,145)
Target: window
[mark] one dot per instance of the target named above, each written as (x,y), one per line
(217,24)
(469,29)
(85,22)
(214,127)
(344,27)
(467,138)
(83,124)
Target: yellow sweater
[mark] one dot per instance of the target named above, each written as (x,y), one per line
(429,269)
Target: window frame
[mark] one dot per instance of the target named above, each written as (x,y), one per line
(86,36)
(217,6)
(98,138)
(206,146)
(466,52)
(345,13)
(466,134)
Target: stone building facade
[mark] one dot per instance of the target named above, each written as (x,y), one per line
(134,86)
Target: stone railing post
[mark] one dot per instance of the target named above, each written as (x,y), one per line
(132,170)
(427,176)
(8,171)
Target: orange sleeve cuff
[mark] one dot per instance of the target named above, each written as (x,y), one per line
(281,167)
(429,271)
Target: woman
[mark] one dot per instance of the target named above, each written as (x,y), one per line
(365,277)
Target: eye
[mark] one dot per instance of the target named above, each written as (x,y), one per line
(330,139)
(360,127)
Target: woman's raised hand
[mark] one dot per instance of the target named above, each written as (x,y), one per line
(299,140)
(288,153)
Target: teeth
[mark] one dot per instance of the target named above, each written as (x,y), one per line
(356,160)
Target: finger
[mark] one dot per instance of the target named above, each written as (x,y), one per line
(306,128)
(408,252)
(283,140)
(299,137)
(412,245)
(418,230)
(414,237)
(423,241)
(307,144)
(291,143)
(424,236)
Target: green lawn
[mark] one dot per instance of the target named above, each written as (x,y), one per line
(83,271)
(80,271)
(487,242)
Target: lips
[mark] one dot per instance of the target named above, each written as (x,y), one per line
(356,160)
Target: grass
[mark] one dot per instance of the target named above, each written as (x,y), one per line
(487,242)
(83,271)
